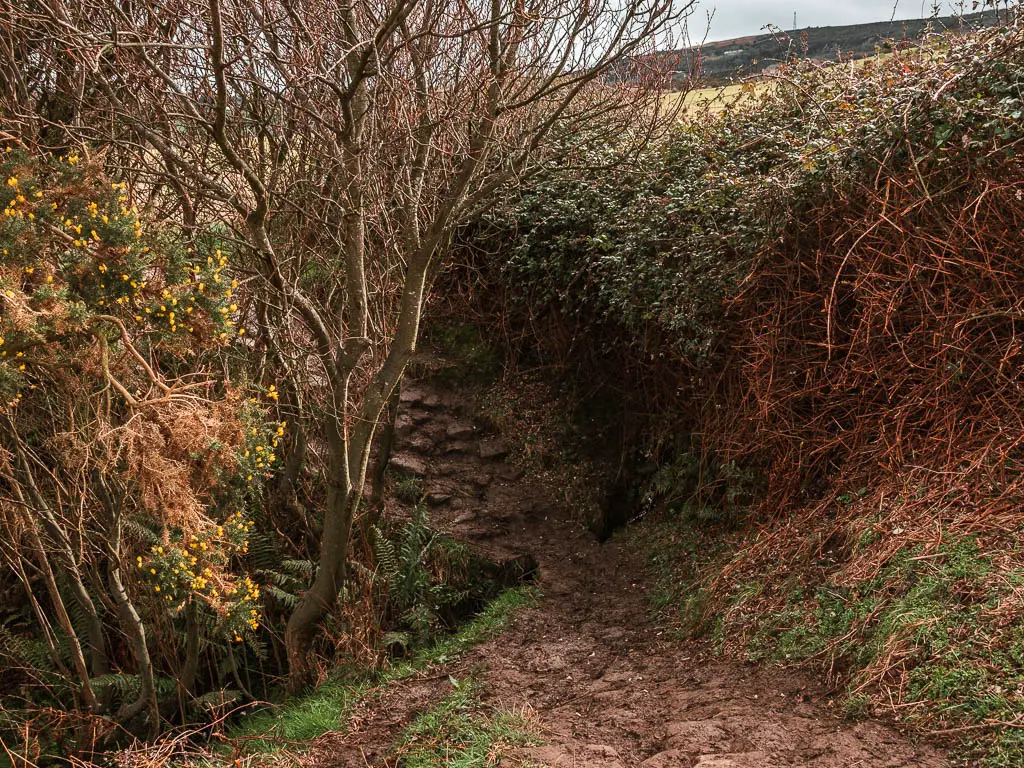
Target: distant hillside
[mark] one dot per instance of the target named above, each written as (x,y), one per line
(728,60)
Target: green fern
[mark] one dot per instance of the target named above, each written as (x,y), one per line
(302,569)
(285,598)
(264,551)
(141,531)
(123,685)
(386,555)
(285,582)
(405,576)
(24,651)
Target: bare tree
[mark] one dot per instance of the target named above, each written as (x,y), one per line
(341,143)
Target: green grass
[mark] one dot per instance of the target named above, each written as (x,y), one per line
(913,599)
(409,490)
(301,719)
(963,668)
(461,733)
(490,623)
(946,615)
(678,555)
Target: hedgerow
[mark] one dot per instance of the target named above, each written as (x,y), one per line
(813,302)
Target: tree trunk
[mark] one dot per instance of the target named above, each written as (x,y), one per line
(133,628)
(314,604)
(349,457)
(384,448)
(61,544)
(187,675)
(74,647)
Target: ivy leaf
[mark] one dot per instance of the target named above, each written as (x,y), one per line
(943,132)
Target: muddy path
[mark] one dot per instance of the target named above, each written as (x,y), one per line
(606,686)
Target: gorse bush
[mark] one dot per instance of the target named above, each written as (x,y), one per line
(130,468)
(134,456)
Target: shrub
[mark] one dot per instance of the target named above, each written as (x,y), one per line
(129,467)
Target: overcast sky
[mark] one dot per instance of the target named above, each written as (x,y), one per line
(737,18)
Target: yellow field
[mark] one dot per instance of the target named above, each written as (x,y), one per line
(716,99)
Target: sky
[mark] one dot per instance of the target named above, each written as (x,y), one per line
(737,18)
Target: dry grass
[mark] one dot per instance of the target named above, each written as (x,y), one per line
(715,100)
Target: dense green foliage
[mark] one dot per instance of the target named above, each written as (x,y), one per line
(755,242)
(663,246)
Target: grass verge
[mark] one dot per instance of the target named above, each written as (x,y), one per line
(462,733)
(933,637)
(302,719)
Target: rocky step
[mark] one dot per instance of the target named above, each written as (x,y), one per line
(407,465)
(413,395)
(460,431)
(492,450)
(437,498)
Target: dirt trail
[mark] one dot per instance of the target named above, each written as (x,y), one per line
(609,690)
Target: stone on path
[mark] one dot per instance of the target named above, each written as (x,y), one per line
(460,430)
(697,736)
(671,758)
(411,395)
(421,444)
(509,473)
(437,498)
(408,466)
(493,449)
(736,760)
(404,425)
(480,479)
